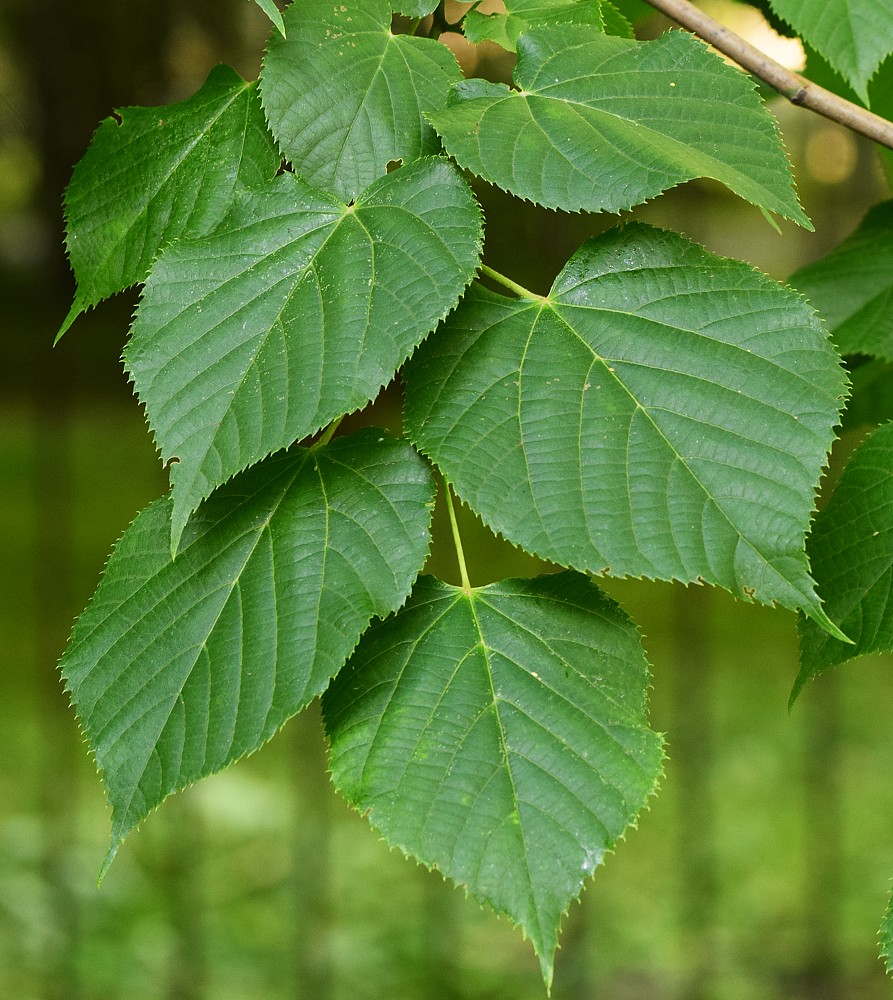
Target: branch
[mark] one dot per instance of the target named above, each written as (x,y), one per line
(797,89)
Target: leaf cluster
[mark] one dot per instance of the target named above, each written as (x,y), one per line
(662,412)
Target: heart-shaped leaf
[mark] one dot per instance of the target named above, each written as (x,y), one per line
(344,96)
(852,287)
(159,174)
(663,413)
(500,735)
(855,36)
(851,551)
(178,668)
(602,123)
(295,311)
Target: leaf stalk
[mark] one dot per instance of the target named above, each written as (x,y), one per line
(512,286)
(457,539)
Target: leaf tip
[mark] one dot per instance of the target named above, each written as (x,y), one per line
(117,840)
(77,307)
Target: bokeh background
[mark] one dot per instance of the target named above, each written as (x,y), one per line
(761,869)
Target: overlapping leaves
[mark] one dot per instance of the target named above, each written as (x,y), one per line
(855,36)
(662,413)
(179,667)
(501,736)
(602,123)
(521,15)
(852,287)
(160,174)
(344,96)
(851,550)
(297,309)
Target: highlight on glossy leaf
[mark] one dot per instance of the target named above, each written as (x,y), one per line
(852,287)
(345,97)
(159,174)
(662,413)
(851,550)
(178,668)
(601,123)
(499,735)
(297,309)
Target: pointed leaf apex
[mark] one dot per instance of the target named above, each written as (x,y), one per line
(272,12)
(77,308)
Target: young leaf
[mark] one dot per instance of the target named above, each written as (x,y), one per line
(344,96)
(852,287)
(851,552)
(663,413)
(160,174)
(500,735)
(855,36)
(296,310)
(521,15)
(602,123)
(272,12)
(178,668)
(886,938)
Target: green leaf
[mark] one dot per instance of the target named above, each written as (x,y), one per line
(414,8)
(178,668)
(160,174)
(272,12)
(663,413)
(886,938)
(500,735)
(603,123)
(855,36)
(344,97)
(615,21)
(851,550)
(295,311)
(521,15)
(852,287)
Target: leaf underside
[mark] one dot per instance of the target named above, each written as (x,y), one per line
(500,736)
(344,97)
(602,123)
(160,174)
(855,36)
(296,310)
(664,413)
(178,668)
(852,287)
(851,552)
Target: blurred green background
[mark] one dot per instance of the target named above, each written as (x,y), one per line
(761,869)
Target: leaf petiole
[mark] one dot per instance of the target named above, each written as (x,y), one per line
(457,539)
(512,286)
(328,433)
